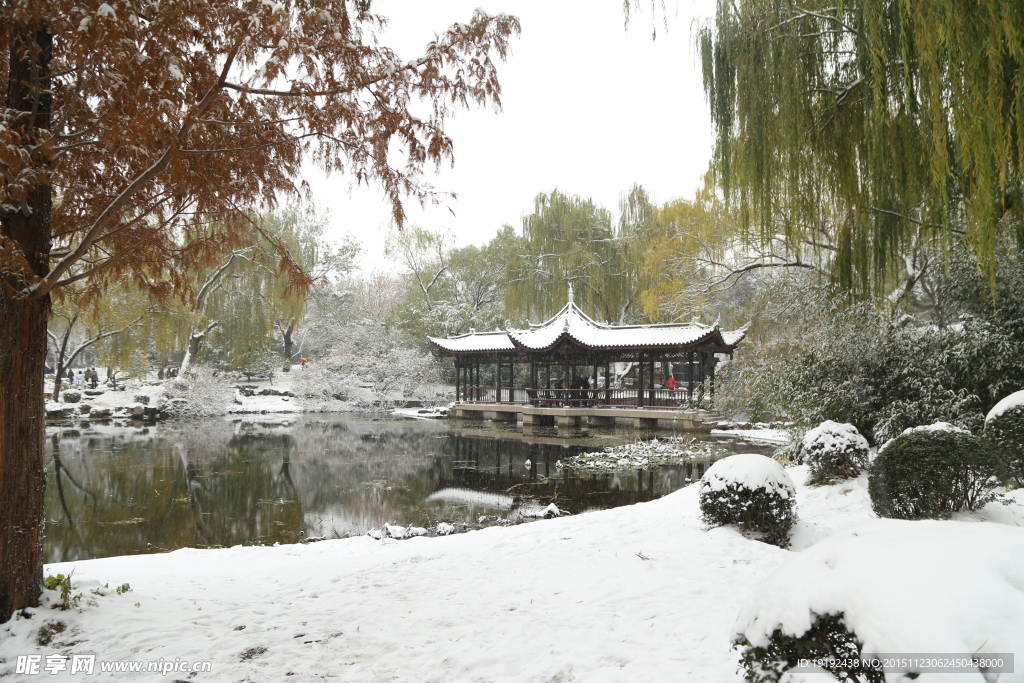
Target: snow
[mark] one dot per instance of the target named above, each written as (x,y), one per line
(779,436)
(750,471)
(936,427)
(644,454)
(832,436)
(1014,400)
(642,592)
(473,498)
(904,587)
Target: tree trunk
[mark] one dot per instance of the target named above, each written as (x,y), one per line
(23,339)
(286,336)
(195,339)
(58,378)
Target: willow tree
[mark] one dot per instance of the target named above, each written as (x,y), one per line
(887,122)
(570,240)
(79,326)
(243,304)
(158,126)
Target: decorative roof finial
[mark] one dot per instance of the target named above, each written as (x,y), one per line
(570,292)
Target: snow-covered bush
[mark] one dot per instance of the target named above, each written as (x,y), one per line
(1004,430)
(71,396)
(369,369)
(827,638)
(834,451)
(888,586)
(753,492)
(201,392)
(932,472)
(880,371)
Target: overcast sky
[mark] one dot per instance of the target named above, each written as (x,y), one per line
(589,107)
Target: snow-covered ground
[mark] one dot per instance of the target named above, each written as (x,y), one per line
(121,402)
(283,394)
(767,435)
(637,593)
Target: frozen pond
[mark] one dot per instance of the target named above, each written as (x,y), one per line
(127,490)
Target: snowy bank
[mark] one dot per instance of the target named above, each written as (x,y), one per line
(635,593)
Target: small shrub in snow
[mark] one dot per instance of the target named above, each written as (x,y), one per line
(887,586)
(1004,431)
(834,451)
(828,638)
(932,472)
(198,393)
(753,492)
(71,396)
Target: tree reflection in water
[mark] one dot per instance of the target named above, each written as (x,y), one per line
(118,491)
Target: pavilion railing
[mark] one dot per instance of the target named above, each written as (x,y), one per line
(558,398)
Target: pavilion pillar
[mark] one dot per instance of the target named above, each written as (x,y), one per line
(458,375)
(607,382)
(497,382)
(650,396)
(711,376)
(689,375)
(640,383)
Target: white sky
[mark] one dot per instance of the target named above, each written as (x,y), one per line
(589,107)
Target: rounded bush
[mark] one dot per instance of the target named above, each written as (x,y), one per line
(932,472)
(1004,431)
(71,396)
(834,451)
(828,638)
(753,492)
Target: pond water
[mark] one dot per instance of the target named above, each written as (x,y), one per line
(127,490)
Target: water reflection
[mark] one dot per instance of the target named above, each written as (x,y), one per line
(117,491)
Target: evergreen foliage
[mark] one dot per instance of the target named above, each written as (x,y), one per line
(764,508)
(827,638)
(892,122)
(932,472)
(1005,434)
(834,452)
(880,370)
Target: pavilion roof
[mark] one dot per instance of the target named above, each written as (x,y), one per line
(573,323)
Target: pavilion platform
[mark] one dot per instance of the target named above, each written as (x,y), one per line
(640,418)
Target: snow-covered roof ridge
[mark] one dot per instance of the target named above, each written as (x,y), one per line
(573,323)
(475,341)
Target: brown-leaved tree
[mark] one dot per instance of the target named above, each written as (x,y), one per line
(135,135)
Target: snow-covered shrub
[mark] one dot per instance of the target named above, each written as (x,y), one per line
(753,492)
(888,586)
(834,451)
(932,472)
(1004,430)
(71,396)
(201,392)
(369,369)
(827,638)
